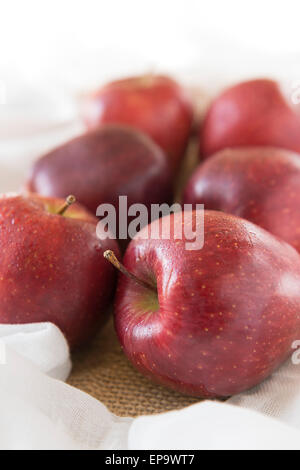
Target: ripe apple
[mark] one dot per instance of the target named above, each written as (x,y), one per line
(215,321)
(52,267)
(251,113)
(156,105)
(102,165)
(260,184)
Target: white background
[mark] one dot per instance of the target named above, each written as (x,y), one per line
(75,42)
(51,51)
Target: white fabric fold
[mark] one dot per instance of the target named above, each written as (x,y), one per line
(212,426)
(277,397)
(41,343)
(38,411)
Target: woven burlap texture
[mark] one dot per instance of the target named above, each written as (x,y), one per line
(103,371)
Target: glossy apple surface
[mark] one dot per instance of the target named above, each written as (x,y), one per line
(224,317)
(52,267)
(156,105)
(260,184)
(251,113)
(102,165)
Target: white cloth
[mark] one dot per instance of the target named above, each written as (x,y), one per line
(38,411)
(212,426)
(42,343)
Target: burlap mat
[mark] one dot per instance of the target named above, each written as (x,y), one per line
(103,371)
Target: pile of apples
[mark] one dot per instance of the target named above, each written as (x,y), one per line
(210,322)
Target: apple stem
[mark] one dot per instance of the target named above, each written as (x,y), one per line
(69,201)
(111,257)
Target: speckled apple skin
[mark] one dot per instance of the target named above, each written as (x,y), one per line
(228,313)
(250,113)
(156,105)
(52,267)
(102,165)
(260,184)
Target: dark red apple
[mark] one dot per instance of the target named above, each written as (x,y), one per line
(102,165)
(52,267)
(220,319)
(260,184)
(251,113)
(156,105)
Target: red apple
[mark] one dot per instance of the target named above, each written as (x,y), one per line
(216,321)
(102,165)
(52,267)
(156,105)
(251,113)
(260,184)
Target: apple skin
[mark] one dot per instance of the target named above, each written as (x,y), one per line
(260,184)
(226,315)
(102,165)
(250,113)
(154,104)
(52,267)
